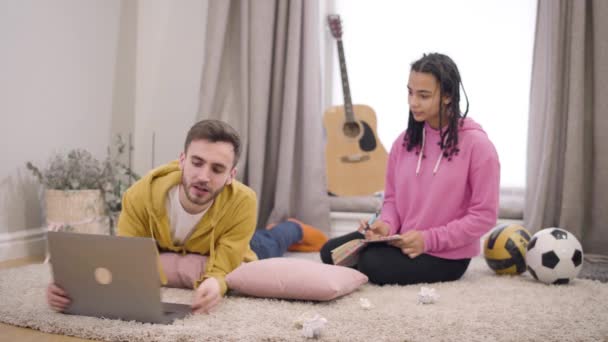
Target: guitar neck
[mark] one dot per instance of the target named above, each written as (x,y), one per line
(348,105)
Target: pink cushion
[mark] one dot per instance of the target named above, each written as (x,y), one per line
(182,270)
(292,278)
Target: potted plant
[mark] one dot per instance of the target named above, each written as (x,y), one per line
(82,193)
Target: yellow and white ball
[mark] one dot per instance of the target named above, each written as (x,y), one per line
(505,249)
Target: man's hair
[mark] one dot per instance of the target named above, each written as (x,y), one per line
(215,131)
(447,75)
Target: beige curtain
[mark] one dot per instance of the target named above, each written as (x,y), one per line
(567,170)
(262,74)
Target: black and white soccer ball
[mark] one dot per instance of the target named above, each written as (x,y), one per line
(554,256)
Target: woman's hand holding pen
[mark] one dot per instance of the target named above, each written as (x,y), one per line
(411,243)
(375,230)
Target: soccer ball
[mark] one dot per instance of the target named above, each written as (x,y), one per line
(554,256)
(505,249)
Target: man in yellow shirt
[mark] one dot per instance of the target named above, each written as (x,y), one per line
(195,205)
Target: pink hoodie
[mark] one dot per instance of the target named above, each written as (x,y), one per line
(453,202)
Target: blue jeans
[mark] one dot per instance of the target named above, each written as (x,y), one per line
(272,243)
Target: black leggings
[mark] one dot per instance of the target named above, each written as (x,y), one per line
(385,264)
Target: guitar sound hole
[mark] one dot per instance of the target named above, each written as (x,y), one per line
(367,142)
(351,129)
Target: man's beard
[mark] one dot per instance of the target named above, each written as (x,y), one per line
(198,200)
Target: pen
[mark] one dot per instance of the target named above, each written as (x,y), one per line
(371,220)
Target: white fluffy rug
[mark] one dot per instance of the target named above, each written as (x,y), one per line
(479,307)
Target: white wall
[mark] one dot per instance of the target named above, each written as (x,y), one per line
(123,92)
(171,37)
(74,73)
(57,61)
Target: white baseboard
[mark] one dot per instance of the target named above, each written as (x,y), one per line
(345,222)
(22,244)
(509,221)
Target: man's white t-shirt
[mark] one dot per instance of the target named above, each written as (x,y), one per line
(181,223)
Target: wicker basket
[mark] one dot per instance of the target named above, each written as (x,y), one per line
(80,211)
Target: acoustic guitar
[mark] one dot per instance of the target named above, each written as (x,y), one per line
(355,158)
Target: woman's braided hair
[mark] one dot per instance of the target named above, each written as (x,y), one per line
(447,75)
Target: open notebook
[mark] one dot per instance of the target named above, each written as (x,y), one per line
(347,254)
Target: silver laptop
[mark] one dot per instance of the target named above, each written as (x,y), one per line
(111,277)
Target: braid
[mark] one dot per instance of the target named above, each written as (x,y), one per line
(448,77)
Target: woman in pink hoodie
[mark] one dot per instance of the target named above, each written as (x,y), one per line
(442,185)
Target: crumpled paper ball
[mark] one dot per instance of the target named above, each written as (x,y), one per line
(311,324)
(365,303)
(427,295)
(306,316)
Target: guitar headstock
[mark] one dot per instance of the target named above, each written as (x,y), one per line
(335,25)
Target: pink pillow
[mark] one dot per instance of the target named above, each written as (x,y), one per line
(182,270)
(292,278)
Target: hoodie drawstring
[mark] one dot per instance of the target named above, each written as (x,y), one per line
(422,152)
(211,249)
(438,162)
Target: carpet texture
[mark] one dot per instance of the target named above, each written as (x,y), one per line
(479,307)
